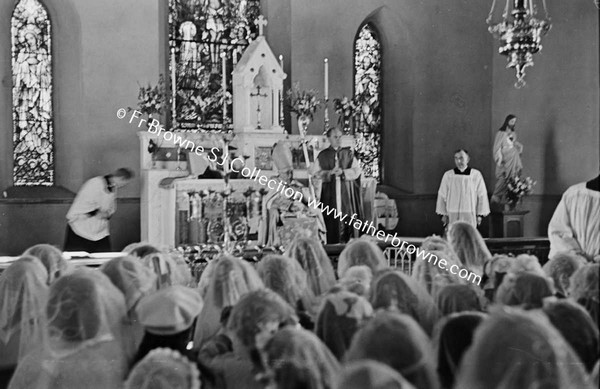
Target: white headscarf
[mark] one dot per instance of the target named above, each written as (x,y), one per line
(164,368)
(23,296)
(397,340)
(83,348)
(131,277)
(51,258)
(361,252)
(230,279)
(371,374)
(469,246)
(518,349)
(170,269)
(311,256)
(296,357)
(396,291)
(283,276)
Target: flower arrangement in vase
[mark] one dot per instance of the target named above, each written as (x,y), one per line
(152,100)
(346,109)
(518,188)
(304,103)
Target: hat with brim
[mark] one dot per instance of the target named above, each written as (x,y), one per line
(170,310)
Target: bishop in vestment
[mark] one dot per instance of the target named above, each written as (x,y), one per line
(285,218)
(339,172)
(462,194)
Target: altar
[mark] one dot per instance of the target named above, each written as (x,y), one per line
(178,208)
(167,211)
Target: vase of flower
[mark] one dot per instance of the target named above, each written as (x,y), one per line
(513,205)
(346,109)
(304,104)
(303,122)
(517,188)
(152,100)
(347,126)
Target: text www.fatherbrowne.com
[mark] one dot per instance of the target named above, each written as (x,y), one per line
(369,228)
(154,127)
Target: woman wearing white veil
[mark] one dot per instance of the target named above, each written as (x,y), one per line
(83,346)
(23,295)
(517,349)
(230,279)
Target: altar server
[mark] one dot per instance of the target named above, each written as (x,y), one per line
(575,225)
(88,217)
(462,194)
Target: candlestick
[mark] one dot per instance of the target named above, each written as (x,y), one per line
(281,97)
(326,93)
(173,95)
(224,86)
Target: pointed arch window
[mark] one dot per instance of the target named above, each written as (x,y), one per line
(33,132)
(367,91)
(200,33)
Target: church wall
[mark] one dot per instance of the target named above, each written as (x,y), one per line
(24,223)
(437,78)
(101,50)
(437,87)
(120,42)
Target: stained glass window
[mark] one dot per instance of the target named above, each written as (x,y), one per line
(200,33)
(367,91)
(33,133)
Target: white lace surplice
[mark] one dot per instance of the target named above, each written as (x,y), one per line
(575,225)
(462,197)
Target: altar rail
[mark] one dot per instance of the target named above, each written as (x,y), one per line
(402,260)
(397,258)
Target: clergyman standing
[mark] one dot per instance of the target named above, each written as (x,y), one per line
(462,194)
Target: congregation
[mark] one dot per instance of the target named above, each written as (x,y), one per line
(143,320)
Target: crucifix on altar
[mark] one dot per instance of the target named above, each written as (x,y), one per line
(258,95)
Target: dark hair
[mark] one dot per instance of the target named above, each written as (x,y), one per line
(142,251)
(577,327)
(463,150)
(505,124)
(225,313)
(455,337)
(176,342)
(330,130)
(124,173)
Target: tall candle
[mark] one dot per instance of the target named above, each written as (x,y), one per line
(326,79)
(224,85)
(173,82)
(226,157)
(281,61)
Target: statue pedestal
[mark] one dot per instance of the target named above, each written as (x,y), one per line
(507,223)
